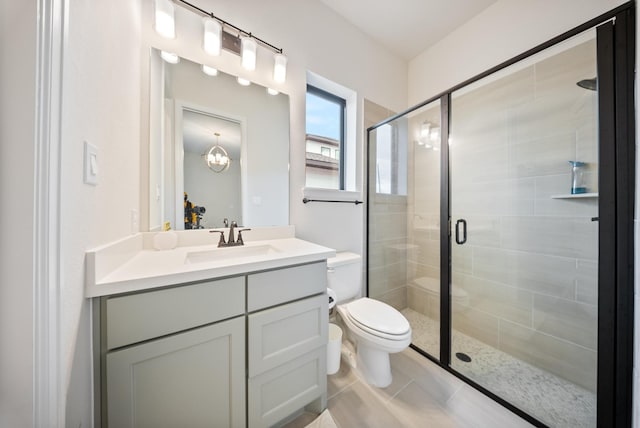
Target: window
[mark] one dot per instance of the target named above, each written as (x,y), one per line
(325,135)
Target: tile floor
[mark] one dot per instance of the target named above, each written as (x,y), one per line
(421,395)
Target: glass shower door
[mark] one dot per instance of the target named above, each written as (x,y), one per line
(523,153)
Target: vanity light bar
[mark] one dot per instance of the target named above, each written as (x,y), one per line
(215,38)
(240,31)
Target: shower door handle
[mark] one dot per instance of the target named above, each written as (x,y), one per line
(464,231)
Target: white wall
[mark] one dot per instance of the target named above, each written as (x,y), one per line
(101,105)
(17,136)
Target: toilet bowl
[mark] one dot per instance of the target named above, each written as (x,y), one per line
(376,328)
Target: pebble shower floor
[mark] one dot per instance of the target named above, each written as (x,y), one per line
(549,398)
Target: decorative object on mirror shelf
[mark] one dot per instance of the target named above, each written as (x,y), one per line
(215,37)
(192,214)
(217,158)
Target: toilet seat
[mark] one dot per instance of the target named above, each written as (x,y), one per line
(378,318)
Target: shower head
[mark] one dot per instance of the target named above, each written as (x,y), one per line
(590,84)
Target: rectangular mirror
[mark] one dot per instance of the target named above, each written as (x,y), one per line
(190,184)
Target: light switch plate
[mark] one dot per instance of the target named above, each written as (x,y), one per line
(90,164)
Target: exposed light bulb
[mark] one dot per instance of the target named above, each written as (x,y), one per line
(170,57)
(209,71)
(435,134)
(424,129)
(243,82)
(165,23)
(249,53)
(212,36)
(271,91)
(279,68)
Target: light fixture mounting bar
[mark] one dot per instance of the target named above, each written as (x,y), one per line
(228,24)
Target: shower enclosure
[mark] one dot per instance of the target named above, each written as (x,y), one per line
(490,228)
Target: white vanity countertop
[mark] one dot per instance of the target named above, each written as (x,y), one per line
(130,265)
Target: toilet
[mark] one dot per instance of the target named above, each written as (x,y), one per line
(376,328)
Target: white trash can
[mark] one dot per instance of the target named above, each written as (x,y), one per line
(333,349)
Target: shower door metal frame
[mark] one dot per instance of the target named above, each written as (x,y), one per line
(616,80)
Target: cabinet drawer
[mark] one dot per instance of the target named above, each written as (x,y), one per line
(283,285)
(280,334)
(138,317)
(278,393)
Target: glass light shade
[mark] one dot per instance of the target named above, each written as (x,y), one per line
(165,23)
(249,53)
(217,158)
(279,68)
(170,57)
(209,71)
(271,91)
(212,36)
(243,82)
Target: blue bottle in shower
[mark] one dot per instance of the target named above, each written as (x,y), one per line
(577,177)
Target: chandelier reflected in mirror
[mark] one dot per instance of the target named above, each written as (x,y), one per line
(217,158)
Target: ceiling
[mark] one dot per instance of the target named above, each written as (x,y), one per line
(198,133)
(408,27)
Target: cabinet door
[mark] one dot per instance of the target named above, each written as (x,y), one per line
(193,379)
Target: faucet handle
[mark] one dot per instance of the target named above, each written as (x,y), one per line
(240,241)
(221,242)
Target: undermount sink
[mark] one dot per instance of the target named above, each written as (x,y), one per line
(229,253)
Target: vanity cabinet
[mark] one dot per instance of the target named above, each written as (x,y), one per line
(249,350)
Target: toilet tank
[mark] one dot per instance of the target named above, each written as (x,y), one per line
(344,275)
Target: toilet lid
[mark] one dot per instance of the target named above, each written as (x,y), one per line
(378,316)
